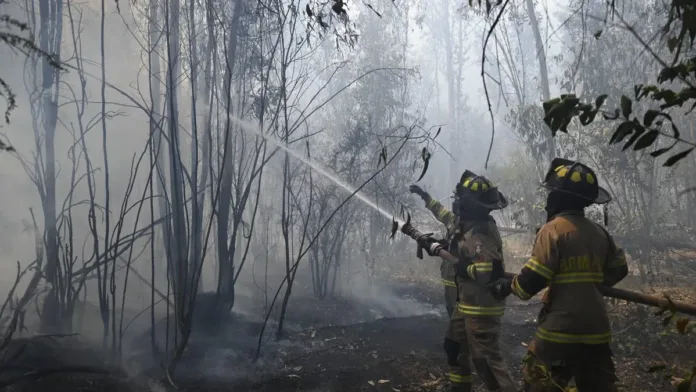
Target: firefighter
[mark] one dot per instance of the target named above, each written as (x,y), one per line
(474,329)
(571,256)
(449,219)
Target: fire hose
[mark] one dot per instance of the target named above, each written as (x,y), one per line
(611,292)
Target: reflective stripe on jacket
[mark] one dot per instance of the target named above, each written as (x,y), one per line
(448,219)
(571,256)
(481,248)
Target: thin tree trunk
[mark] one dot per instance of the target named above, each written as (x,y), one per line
(543,70)
(225,286)
(451,104)
(50,36)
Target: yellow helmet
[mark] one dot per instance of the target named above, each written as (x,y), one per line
(575,178)
(480,190)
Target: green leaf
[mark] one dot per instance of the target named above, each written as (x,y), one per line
(649,117)
(645,90)
(668,74)
(678,157)
(646,140)
(672,44)
(599,101)
(548,105)
(637,91)
(587,117)
(660,151)
(625,129)
(639,130)
(438,133)
(626,106)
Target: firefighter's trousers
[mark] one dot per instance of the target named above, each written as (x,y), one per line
(450,296)
(591,366)
(475,340)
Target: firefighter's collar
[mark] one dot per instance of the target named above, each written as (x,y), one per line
(570,212)
(467,225)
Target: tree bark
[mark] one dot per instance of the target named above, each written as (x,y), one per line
(543,71)
(50,36)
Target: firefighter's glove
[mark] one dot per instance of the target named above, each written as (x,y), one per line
(431,246)
(420,192)
(501,288)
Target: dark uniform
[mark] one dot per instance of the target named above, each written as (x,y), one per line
(571,256)
(448,219)
(474,330)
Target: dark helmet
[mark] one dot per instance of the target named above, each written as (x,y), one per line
(481,191)
(575,178)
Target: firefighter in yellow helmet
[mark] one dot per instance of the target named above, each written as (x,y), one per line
(474,329)
(449,219)
(571,256)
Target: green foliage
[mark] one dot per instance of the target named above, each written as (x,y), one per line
(679,32)
(639,134)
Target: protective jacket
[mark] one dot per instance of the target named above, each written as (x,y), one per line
(571,255)
(481,251)
(448,219)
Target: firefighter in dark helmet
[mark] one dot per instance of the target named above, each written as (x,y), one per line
(474,328)
(571,256)
(449,219)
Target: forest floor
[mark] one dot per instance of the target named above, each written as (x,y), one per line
(386,353)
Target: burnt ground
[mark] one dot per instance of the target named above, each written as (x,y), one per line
(389,353)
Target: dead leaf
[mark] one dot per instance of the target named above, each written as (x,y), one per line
(432,376)
(681,325)
(297,368)
(382,381)
(430,383)
(525,344)
(371,383)
(396,390)
(314,333)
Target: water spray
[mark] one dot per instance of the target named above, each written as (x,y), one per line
(255,129)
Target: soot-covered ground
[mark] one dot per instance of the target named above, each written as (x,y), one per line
(382,353)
